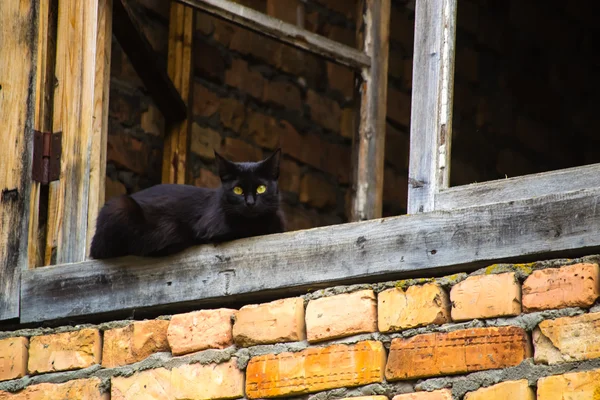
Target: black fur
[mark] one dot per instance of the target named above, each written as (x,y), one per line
(166,219)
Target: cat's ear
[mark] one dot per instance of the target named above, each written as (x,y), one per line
(227,169)
(269,167)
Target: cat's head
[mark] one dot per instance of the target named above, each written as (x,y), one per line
(249,188)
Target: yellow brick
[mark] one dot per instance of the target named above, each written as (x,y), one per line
(342,315)
(134,342)
(574,386)
(275,322)
(417,306)
(443,394)
(64,351)
(81,389)
(315,369)
(13,358)
(189,382)
(200,330)
(517,390)
(567,339)
(486,296)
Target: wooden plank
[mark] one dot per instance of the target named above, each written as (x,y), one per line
(282,31)
(46,62)
(431,113)
(518,188)
(417,245)
(369,141)
(147,63)
(18,37)
(180,70)
(79,26)
(100,115)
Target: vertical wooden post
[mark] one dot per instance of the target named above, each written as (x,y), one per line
(83,65)
(432,93)
(17,103)
(181,34)
(369,142)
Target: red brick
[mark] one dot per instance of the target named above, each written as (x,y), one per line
(486,296)
(417,306)
(341,315)
(315,369)
(347,8)
(232,114)
(402,27)
(395,187)
(283,93)
(317,191)
(134,343)
(205,141)
(337,161)
(462,351)
(224,31)
(396,147)
(289,176)
(348,123)
(80,389)
(207,179)
(200,330)
(249,43)
(208,61)
(398,106)
(298,219)
(204,23)
(241,77)
(275,322)
(206,102)
(341,79)
(113,189)
(285,10)
(239,151)
(264,130)
(190,382)
(64,351)
(467,64)
(324,111)
(567,339)
(128,152)
(573,386)
(300,64)
(152,121)
(444,394)
(569,286)
(13,358)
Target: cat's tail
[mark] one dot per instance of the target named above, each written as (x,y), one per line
(116,227)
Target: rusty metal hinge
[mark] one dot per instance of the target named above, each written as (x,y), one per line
(47,149)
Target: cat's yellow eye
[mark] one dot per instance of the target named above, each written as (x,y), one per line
(238,190)
(261,189)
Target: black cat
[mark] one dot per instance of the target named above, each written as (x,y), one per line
(166,219)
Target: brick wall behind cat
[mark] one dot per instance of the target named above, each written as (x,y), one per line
(519,106)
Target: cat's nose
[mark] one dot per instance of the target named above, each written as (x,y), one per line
(250,201)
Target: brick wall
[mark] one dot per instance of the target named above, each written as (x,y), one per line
(510,331)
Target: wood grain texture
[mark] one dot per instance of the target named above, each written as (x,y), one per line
(416,245)
(518,188)
(282,31)
(369,142)
(180,70)
(432,94)
(81,116)
(18,39)
(147,64)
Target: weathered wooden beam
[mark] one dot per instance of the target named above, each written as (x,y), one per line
(147,63)
(519,188)
(415,245)
(180,69)
(432,93)
(369,141)
(282,31)
(17,104)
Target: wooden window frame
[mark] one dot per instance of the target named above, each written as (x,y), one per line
(453,228)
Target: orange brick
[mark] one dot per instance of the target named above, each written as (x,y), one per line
(324,111)
(81,389)
(573,386)
(200,330)
(315,369)
(64,351)
(486,296)
(518,390)
(205,141)
(316,191)
(275,322)
(366,398)
(567,339)
(342,315)
(190,382)
(443,394)
(418,306)
(457,352)
(134,342)
(570,286)
(13,358)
